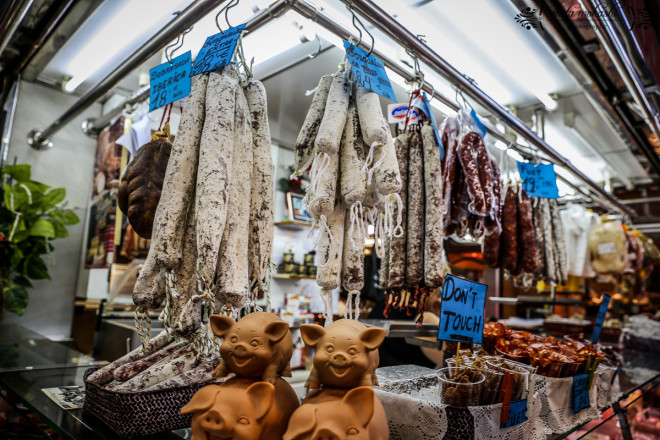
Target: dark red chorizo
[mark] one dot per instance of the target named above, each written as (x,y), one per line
(509,239)
(466,154)
(527,252)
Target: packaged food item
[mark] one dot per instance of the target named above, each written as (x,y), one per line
(460,386)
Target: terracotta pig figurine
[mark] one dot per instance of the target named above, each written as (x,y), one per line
(330,413)
(257,346)
(241,409)
(346,354)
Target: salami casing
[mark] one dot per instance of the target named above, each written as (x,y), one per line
(352,267)
(307,135)
(560,244)
(551,264)
(353,178)
(466,154)
(397,265)
(332,125)
(433,221)
(415,215)
(330,250)
(509,239)
(537,216)
(375,130)
(526,239)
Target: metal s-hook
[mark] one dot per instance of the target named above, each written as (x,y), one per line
(356,20)
(318,51)
(178,44)
(225,9)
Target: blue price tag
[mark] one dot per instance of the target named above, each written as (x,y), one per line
(369,72)
(435,126)
(600,318)
(539,180)
(169,82)
(217,50)
(580,392)
(478,125)
(517,414)
(462,315)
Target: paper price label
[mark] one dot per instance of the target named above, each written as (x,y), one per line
(462,315)
(169,82)
(217,50)
(369,71)
(580,393)
(539,180)
(397,113)
(435,126)
(600,318)
(606,248)
(517,414)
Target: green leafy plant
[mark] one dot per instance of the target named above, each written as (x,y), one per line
(30,219)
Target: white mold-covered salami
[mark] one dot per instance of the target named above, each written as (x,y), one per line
(131,369)
(232,273)
(372,198)
(383,279)
(331,244)
(373,124)
(104,375)
(397,266)
(321,198)
(434,233)
(149,290)
(332,125)
(261,198)
(551,259)
(179,181)
(352,267)
(353,178)
(305,142)
(560,244)
(185,278)
(415,214)
(159,372)
(387,177)
(215,169)
(200,374)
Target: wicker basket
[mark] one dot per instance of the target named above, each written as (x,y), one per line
(132,415)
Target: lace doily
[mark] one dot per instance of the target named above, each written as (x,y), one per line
(556,414)
(487,423)
(606,395)
(411,418)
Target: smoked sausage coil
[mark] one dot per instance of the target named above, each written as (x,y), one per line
(397,265)
(305,142)
(466,154)
(486,176)
(526,239)
(261,192)
(415,215)
(232,278)
(433,217)
(332,125)
(509,239)
(179,181)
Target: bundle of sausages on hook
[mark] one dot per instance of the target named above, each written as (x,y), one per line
(212,233)
(355,180)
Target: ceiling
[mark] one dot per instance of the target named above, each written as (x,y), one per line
(521,68)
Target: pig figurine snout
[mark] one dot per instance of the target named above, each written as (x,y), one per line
(213,423)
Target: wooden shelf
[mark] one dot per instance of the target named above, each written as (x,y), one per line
(294,225)
(284,276)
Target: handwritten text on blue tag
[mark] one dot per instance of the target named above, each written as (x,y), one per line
(169,82)
(369,71)
(580,392)
(517,414)
(539,180)
(462,315)
(217,50)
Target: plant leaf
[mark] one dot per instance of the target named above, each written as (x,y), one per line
(69,218)
(36,268)
(22,281)
(16,299)
(16,257)
(20,173)
(53,197)
(42,228)
(36,187)
(60,229)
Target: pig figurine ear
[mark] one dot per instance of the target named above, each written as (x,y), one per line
(311,333)
(276,331)
(301,423)
(262,396)
(201,400)
(220,324)
(372,337)
(361,401)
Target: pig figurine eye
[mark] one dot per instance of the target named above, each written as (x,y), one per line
(329,348)
(255,342)
(243,421)
(352,351)
(233,339)
(352,431)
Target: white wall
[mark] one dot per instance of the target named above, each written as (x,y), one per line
(69,164)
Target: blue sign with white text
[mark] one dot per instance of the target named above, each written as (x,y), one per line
(217,50)
(369,71)
(600,318)
(580,392)
(517,414)
(435,126)
(539,180)
(169,82)
(478,125)
(462,314)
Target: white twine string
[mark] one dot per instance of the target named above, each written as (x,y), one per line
(324,228)
(356,303)
(318,172)
(378,235)
(143,326)
(356,220)
(399,216)
(348,310)
(370,158)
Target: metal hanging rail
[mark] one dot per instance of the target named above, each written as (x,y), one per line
(390,27)
(40,139)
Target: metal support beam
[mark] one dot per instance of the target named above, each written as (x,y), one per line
(12,20)
(39,139)
(392,28)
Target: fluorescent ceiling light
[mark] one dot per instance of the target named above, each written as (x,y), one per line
(514,154)
(548,101)
(120,30)
(592,167)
